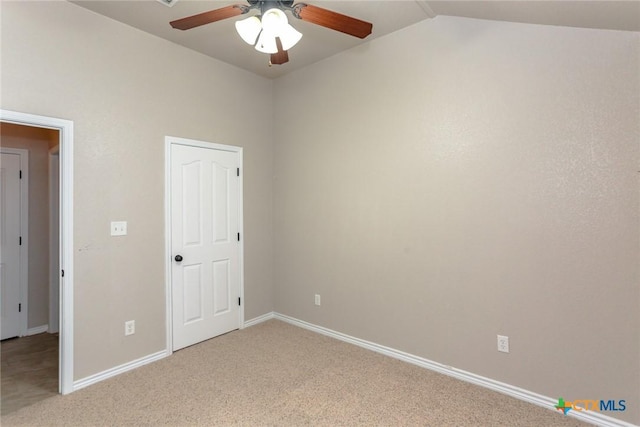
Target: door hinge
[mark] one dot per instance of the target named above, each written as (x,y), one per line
(238,172)
(19,308)
(238,237)
(20,174)
(239,301)
(20,241)
(62,273)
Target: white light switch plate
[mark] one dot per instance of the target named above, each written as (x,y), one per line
(118,228)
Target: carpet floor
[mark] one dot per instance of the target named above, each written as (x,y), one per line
(276,374)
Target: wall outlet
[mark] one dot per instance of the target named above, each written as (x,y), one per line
(503,343)
(118,228)
(317,299)
(129,327)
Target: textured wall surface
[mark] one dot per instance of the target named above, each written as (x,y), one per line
(125,91)
(461,179)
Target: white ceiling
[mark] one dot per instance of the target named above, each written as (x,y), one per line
(220,40)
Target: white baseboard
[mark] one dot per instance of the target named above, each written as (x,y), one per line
(517,392)
(37,330)
(101,376)
(259,319)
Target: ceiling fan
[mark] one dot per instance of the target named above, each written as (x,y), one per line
(269,32)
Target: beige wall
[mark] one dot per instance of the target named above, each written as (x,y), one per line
(36,141)
(461,179)
(125,91)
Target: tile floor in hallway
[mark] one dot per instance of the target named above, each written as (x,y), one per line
(29,370)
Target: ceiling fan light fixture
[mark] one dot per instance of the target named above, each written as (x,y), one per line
(267,42)
(276,24)
(271,33)
(249,29)
(289,37)
(273,20)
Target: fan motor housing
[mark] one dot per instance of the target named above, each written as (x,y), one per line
(265,5)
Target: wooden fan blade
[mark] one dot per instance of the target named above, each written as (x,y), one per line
(335,21)
(282,56)
(209,17)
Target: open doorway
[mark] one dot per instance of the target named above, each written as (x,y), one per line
(55,291)
(29,229)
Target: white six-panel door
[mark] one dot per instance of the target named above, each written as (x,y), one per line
(10,203)
(205,274)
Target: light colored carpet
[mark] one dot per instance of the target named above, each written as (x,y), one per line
(275,374)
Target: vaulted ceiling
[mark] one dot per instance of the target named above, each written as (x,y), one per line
(220,40)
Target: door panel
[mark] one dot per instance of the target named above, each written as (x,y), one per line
(205,212)
(191,203)
(192,293)
(221,182)
(10,247)
(221,287)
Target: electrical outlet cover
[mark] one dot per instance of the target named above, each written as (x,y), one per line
(503,343)
(129,327)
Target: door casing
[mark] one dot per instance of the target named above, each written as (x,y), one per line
(169,141)
(54,230)
(65,131)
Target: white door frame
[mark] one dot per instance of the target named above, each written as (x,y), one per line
(65,129)
(54,239)
(23,274)
(168,142)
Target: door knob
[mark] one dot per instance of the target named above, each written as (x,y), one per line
(178,258)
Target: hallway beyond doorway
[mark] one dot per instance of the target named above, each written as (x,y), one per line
(29,370)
